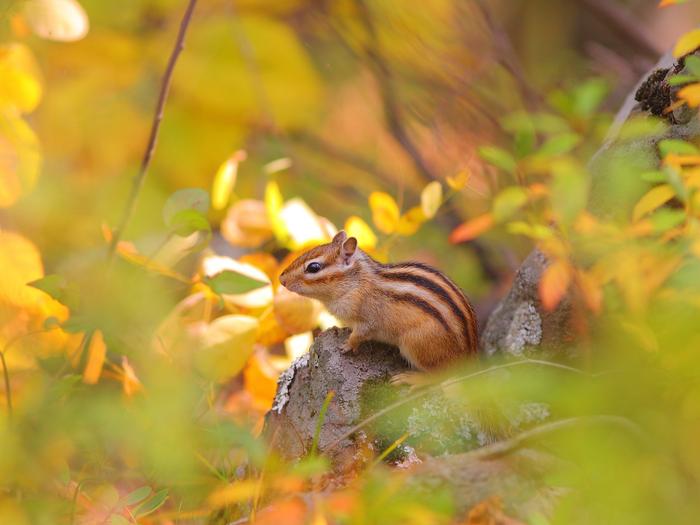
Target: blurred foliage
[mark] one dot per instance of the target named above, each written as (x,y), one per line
(138,364)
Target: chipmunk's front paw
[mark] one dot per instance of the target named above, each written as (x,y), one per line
(347,348)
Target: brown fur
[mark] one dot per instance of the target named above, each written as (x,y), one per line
(409,305)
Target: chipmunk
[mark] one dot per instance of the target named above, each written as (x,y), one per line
(409,305)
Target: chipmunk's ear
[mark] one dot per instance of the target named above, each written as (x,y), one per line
(348,249)
(340,237)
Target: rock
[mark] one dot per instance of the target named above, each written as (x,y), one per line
(518,480)
(290,425)
(519,324)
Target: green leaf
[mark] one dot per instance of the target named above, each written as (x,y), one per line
(507,202)
(524,142)
(559,144)
(118,519)
(569,191)
(680,147)
(188,199)
(230,282)
(679,80)
(54,285)
(588,96)
(498,157)
(186,222)
(692,64)
(654,176)
(137,495)
(152,504)
(665,219)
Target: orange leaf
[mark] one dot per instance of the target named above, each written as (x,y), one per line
(591,291)
(490,512)
(96,358)
(691,95)
(472,229)
(554,283)
(260,381)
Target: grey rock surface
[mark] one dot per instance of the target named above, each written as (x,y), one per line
(519,324)
(519,479)
(290,425)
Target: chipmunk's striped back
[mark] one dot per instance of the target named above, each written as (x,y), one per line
(433,292)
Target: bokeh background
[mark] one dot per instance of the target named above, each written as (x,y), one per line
(134,389)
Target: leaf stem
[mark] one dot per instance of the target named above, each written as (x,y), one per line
(155,128)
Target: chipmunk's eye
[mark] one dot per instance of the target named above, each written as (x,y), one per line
(313,267)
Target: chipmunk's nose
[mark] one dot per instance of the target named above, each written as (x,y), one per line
(283,279)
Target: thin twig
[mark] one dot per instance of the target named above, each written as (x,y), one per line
(8,389)
(155,128)
(448,382)
(502,448)
(631,29)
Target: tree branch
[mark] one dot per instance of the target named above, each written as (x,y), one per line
(155,128)
(392,110)
(620,21)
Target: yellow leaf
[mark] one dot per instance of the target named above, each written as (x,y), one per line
(233,493)
(691,95)
(247,224)
(687,43)
(20,88)
(431,199)
(410,221)
(23,308)
(472,229)
(294,313)
(554,283)
(273,204)
(96,358)
(19,158)
(225,180)
(303,226)
(227,342)
(356,227)
(651,200)
(459,181)
(385,211)
(60,20)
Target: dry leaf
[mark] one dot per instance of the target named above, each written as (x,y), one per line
(554,283)
(472,229)
(247,224)
(295,314)
(60,20)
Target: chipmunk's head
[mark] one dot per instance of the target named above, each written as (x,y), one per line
(323,272)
